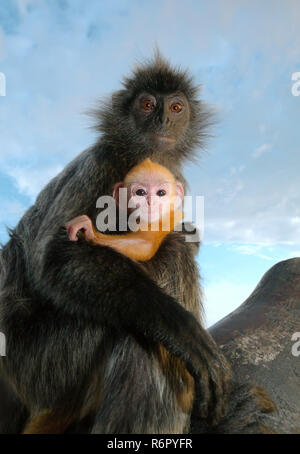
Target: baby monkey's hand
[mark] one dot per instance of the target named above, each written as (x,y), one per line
(80,223)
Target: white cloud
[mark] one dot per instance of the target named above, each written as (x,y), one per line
(295,220)
(11,207)
(262,128)
(294,253)
(11,210)
(223,297)
(253,249)
(236,170)
(261,150)
(256,230)
(30,181)
(2,47)
(23,5)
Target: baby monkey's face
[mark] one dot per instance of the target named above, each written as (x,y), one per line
(154,199)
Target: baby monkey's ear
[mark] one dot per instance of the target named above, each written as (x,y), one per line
(179,194)
(179,189)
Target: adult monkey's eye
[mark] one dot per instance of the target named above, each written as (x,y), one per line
(161,192)
(140,192)
(147,105)
(176,107)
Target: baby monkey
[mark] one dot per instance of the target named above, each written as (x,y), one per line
(153,190)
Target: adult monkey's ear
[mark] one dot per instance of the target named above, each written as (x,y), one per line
(120,99)
(116,192)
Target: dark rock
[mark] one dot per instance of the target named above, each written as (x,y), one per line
(257,340)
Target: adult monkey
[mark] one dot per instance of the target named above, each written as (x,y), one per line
(88,331)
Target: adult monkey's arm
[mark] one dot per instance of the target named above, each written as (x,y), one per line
(124,298)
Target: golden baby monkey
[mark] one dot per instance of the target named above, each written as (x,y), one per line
(151,188)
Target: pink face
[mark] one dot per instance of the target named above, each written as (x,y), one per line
(154,199)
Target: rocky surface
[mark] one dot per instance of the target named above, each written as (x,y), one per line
(259,340)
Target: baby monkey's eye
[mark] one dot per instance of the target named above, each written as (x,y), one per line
(141,192)
(161,192)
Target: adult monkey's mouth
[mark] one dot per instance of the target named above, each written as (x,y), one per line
(164,138)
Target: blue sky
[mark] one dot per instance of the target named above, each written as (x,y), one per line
(60,56)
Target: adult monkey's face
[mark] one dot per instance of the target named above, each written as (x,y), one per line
(156,110)
(162,117)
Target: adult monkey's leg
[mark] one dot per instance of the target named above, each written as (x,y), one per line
(165,405)
(13,413)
